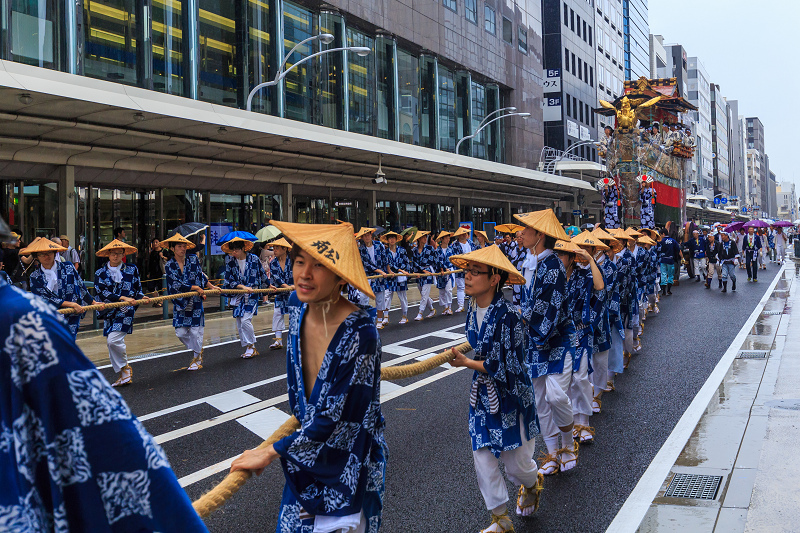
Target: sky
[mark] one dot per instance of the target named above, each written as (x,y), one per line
(747,49)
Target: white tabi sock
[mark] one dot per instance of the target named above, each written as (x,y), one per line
(567,440)
(552,444)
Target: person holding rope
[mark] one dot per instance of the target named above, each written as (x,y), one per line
(373,257)
(482,238)
(184,274)
(502,411)
(243,271)
(118,282)
(461,246)
(445,283)
(280,277)
(334,465)
(397,263)
(550,337)
(57,282)
(424,261)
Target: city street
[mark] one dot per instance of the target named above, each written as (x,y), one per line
(206,418)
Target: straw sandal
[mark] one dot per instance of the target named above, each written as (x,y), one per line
(197,362)
(277,345)
(569,464)
(248,354)
(125,377)
(596,404)
(524,492)
(627,357)
(583,434)
(503,523)
(550,464)
(609,386)
(431,314)
(403,320)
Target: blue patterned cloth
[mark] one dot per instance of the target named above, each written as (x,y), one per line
(69,288)
(73,457)
(457,249)
(397,260)
(444,265)
(610,207)
(181,281)
(629,304)
(646,197)
(106,290)
(253,277)
(280,275)
(500,343)
(585,305)
(4,277)
(550,333)
(371,266)
(335,464)
(517,256)
(602,334)
(654,272)
(427,260)
(643,269)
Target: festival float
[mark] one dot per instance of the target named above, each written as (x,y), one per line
(648,156)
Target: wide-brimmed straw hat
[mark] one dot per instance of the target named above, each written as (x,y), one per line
(544,221)
(483,234)
(420,234)
(461,231)
(569,247)
(508,228)
(490,256)
(41,244)
(615,244)
(64,237)
(586,238)
(116,244)
(333,246)
(633,233)
(248,245)
(177,239)
(620,234)
(653,234)
(443,233)
(385,236)
(281,242)
(644,239)
(364,231)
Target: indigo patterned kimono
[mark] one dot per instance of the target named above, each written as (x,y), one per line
(550,334)
(610,207)
(371,266)
(656,271)
(585,306)
(628,303)
(397,261)
(279,276)
(181,281)
(602,334)
(254,277)
(500,343)
(444,264)
(643,268)
(455,246)
(335,464)
(73,457)
(517,257)
(69,288)
(121,318)
(425,260)
(646,196)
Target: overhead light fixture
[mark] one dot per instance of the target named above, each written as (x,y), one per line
(138,117)
(380,177)
(287,141)
(25,98)
(222,130)
(337,149)
(325,38)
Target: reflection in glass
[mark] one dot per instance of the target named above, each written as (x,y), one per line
(361,85)
(408,85)
(37,32)
(217,51)
(297,26)
(493,145)
(330,73)
(111,37)
(261,64)
(169,56)
(447,110)
(384,59)
(463,126)
(41,209)
(427,102)
(311,210)
(478,113)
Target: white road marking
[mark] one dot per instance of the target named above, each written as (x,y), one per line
(265,422)
(635,508)
(396,349)
(230,400)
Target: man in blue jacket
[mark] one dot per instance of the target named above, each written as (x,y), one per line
(698,246)
(669,255)
(751,246)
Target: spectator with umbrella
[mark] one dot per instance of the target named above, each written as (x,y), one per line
(751,246)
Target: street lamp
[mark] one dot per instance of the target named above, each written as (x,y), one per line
(484,123)
(324,38)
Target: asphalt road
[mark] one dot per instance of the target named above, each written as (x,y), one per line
(205,418)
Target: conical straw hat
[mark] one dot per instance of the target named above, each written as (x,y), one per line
(585,238)
(612,241)
(178,238)
(620,234)
(385,236)
(443,234)
(248,245)
(420,234)
(508,228)
(461,231)
(281,242)
(364,231)
(41,244)
(653,234)
(482,233)
(116,244)
(633,233)
(644,239)
(569,246)
(544,221)
(490,256)
(332,245)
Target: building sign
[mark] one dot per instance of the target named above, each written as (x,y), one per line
(552,80)
(215,231)
(572,129)
(585,133)
(551,110)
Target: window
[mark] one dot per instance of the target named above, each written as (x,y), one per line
(408,81)
(566,59)
(522,39)
(471,10)
(573,64)
(590,36)
(580,65)
(451,5)
(579,25)
(600,39)
(110,41)
(591,76)
(490,22)
(592,115)
(385,65)
(298,25)
(601,70)
(585,37)
(585,72)
(572,19)
(580,111)
(361,85)
(508,30)
(569,105)
(447,110)
(168,53)
(566,15)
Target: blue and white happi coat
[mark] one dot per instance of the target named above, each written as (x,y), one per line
(517,256)
(253,277)
(335,464)
(585,305)
(646,197)
(445,265)
(656,271)
(550,333)
(72,456)
(397,261)
(643,268)
(610,207)
(106,290)
(500,343)
(69,288)
(602,334)
(371,266)
(179,281)
(426,260)
(458,249)
(628,304)
(280,275)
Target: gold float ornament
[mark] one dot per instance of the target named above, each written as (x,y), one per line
(628,110)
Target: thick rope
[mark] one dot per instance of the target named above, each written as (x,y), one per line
(213,500)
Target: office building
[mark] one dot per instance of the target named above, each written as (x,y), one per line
(760,172)
(786,201)
(719,142)
(736,153)
(699,88)
(610,51)
(636,34)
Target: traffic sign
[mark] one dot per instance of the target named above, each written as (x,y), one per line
(717,201)
(724,200)
(576,212)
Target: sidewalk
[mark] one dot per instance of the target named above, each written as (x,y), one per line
(158,337)
(738,471)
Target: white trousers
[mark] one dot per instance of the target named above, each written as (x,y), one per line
(380,300)
(780,250)
(425,301)
(192,337)
(699,266)
(552,401)
(244,325)
(277,323)
(520,468)
(446,295)
(600,374)
(460,292)
(402,296)
(580,389)
(117,351)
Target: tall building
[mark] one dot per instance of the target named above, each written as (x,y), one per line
(719,142)
(786,201)
(755,166)
(772,187)
(636,34)
(755,141)
(569,51)
(736,152)
(700,95)
(610,50)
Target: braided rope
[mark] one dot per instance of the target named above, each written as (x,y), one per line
(213,499)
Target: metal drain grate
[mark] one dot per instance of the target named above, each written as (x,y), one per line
(753,354)
(694,486)
(772,313)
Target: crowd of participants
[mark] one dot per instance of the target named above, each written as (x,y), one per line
(576,302)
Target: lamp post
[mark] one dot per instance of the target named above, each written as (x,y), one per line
(324,38)
(484,124)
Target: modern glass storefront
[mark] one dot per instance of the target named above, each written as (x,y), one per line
(217,51)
